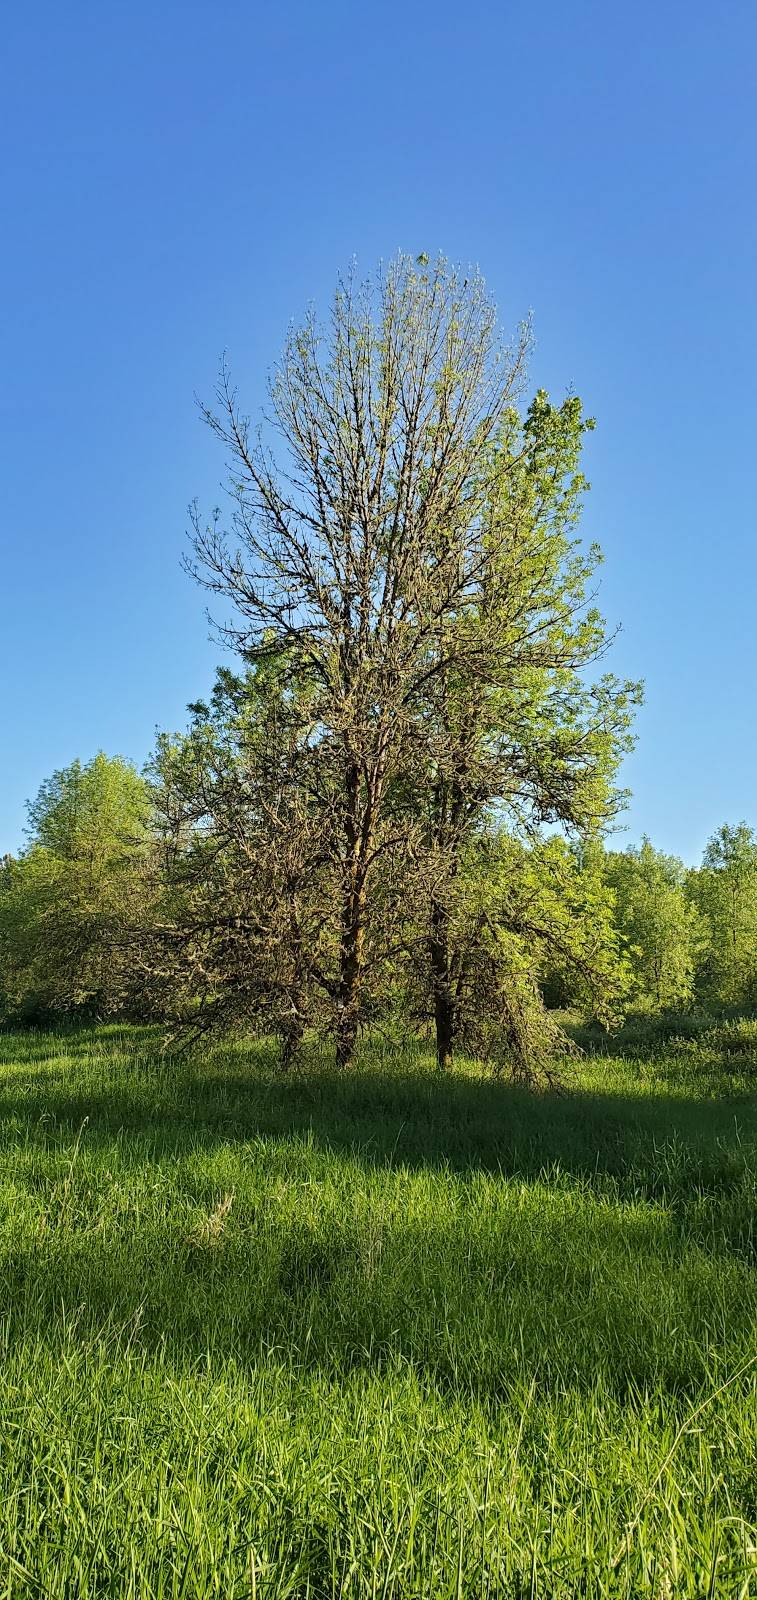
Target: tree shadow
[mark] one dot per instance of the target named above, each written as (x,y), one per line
(368,1223)
(648,1144)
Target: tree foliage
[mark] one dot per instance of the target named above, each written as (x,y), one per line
(67,900)
(664,933)
(725,892)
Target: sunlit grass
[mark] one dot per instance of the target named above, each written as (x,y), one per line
(375,1335)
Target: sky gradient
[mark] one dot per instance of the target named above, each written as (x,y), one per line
(180,180)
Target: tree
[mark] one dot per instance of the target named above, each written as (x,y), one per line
(513,727)
(409,563)
(725,891)
(524,916)
(664,934)
(73,889)
(241,859)
(345,560)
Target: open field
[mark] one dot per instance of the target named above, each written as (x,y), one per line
(382,1335)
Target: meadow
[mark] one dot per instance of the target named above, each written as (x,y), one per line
(378,1334)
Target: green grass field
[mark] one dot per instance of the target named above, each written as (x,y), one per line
(376,1336)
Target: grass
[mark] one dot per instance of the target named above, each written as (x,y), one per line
(380,1335)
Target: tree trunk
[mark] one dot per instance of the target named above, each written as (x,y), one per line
(352,963)
(352,942)
(291,1041)
(444,996)
(293,1024)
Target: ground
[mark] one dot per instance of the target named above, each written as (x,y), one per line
(378,1335)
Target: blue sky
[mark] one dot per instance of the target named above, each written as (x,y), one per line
(182,179)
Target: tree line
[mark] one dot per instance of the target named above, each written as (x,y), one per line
(392,808)
(109,911)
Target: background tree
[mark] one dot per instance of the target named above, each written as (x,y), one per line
(66,900)
(725,892)
(665,935)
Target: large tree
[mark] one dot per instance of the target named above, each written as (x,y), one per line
(345,557)
(406,558)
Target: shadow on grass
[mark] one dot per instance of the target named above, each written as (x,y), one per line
(650,1143)
(366,1223)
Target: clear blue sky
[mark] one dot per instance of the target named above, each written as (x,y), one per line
(180,179)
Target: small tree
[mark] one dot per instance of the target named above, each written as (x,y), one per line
(65,902)
(725,891)
(523,915)
(664,934)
